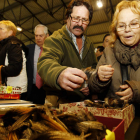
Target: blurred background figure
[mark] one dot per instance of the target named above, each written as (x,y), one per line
(99,52)
(106,40)
(36,93)
(13,55)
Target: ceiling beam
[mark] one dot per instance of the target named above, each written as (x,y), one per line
(41,11)
(14,5)
(34,15)
(29,39)
(47,12)
(64,4)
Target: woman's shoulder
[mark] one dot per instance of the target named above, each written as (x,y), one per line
(108,50)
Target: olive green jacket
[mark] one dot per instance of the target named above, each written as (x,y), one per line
(59,53)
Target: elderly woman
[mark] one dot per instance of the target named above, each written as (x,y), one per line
(118,71)
(12,57)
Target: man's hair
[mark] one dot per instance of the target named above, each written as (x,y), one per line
(10,26)
(73,3)
(45,28)
(105,36)
(101,48)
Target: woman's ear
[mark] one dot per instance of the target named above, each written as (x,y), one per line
(10,33)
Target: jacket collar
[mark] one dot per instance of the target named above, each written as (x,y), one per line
(6,40)
(66,36)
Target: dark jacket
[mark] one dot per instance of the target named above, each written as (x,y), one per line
(59,52)
(30,70)
(30,67)
(12,47)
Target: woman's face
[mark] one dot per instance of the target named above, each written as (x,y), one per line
(128,36)
(4,32)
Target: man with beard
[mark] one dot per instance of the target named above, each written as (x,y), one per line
(65,53)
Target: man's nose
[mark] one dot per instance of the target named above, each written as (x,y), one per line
(80,22)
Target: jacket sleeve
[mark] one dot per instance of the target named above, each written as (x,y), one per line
(135,86)
(48,65)
(96,86)
(14,66)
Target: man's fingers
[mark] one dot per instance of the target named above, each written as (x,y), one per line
(71,78)
(76,79)
(86,89)
(78,73)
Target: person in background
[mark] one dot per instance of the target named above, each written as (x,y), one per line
(65,53)
(35,94)
(99,52)
(118,71)
(106,40)
(13,55)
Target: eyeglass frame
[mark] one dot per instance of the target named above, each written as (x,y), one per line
(78,20)
(138,22)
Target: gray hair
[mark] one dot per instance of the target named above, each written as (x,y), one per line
(45,28)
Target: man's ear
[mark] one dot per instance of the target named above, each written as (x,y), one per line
(10,33)
(47,35)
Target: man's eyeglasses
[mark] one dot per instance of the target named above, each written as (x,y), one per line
(133,25)
(77,19)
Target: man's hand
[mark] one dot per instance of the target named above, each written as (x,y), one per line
(71,78)
(105,72)
(85,91)
(127,93)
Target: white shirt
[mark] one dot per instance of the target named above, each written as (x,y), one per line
(21,79)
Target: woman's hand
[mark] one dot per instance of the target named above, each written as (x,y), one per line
(105,72)
(127,94)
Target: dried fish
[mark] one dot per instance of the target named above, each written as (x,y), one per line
(90,117)
(108,103)
(88,103)
(81,115)
(57,135)
(23,123)
(88,125)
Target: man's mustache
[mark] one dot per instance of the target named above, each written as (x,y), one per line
(80,27)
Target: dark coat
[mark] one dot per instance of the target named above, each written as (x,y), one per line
(30,66)
(12,47)
(30,70)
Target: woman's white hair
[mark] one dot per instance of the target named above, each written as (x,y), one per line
(41,25)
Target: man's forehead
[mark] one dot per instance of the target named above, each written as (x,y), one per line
(80,10)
